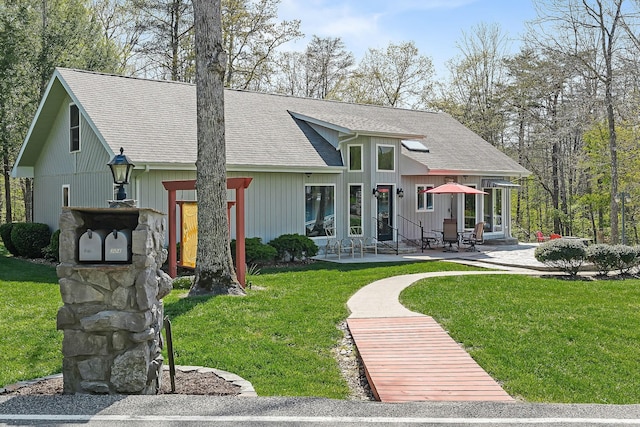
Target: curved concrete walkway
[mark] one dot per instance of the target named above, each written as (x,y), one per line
(407,356)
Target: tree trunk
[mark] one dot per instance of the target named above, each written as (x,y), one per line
(27,194)
(215,274)
(7,187)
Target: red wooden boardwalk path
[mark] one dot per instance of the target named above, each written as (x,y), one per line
(413,358)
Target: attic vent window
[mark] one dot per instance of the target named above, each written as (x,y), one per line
(74,128)
(413,145)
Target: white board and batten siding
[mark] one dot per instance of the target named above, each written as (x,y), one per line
(85,172)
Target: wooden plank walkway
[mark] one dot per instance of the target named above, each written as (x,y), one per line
(413,358)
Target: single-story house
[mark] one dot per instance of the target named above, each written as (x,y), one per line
(318,167)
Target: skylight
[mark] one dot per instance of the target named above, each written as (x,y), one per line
(413,145)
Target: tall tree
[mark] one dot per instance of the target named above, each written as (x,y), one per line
(251,38)
(215,274)
(397,76)
(327,66)
(476,76)
(589,31)
(167,39)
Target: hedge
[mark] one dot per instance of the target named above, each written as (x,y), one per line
(30,238)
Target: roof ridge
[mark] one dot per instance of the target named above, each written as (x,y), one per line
(100,73)
(250,91)
(335,101)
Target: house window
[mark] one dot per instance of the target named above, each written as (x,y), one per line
(74,128)
(355,210)
(355,158)
(424,200)
(386,158)
(493,209)
(470,210)
(66,198)
(319,210)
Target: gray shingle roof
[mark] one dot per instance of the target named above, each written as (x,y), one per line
(156,123)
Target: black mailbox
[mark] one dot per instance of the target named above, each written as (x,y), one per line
(117,246)
(90,246)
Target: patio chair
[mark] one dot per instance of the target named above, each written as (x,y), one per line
(332,245)
(346,246)
(450,234)
(541,237)
(474,237)
(369,243)
(554,236)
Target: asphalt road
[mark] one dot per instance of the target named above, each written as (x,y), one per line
(181,410)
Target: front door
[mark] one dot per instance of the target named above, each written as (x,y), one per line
(385,212)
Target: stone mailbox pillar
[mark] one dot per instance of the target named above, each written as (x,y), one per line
(112,314)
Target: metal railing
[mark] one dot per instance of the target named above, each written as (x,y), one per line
(386,228)
(422,243)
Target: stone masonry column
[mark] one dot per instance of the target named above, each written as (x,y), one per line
(112,315)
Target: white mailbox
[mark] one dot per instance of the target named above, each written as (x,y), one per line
(117,246)
(90,246)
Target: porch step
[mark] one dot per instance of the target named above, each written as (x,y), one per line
(403,248)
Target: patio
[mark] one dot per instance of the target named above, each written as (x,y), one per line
(493,256)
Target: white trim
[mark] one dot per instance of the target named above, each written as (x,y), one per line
(304,219)
(361,185)
(426,195)
(479,203)
(69,128)
(394,159)
(393,218)
(68,188)
(349,158)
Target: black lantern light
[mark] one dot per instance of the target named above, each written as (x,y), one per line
(400,192)
(121,168)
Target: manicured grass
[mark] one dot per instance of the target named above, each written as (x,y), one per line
(280,337)
(30,346)
(545,340)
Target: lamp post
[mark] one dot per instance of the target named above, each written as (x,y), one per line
(121,168)
(621,198)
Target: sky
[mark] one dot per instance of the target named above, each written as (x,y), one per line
(434,25)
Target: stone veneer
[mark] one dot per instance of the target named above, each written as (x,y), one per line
(112,314)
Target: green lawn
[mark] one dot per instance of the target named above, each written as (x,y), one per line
(30,346)
(545,340)
(279,337)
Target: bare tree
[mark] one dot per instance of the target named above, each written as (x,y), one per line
(476,77)
(215,274)
(397,76)
(327,67)
(588,31)
(251,38)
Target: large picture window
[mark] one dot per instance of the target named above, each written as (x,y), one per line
(386,159)
(319,210)
(355,210)
(424,200)
(74,128)
(355,158)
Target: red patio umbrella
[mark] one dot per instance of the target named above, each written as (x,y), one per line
(453,188)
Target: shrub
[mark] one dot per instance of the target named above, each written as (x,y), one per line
(604,257)
(183,282)
(565,254)
(52,251)
(256,252)
(292,246)
(627,258)
(5,233)
(30,238)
